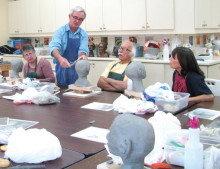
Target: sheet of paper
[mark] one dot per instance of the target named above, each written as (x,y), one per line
(5,90)
(93,134)
(16,123)
(204,113)
(7,85)
(4,121)
(8,97)
(98,106)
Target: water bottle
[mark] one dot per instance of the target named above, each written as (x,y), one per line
(166,52)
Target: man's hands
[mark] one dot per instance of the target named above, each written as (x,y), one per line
(64,62)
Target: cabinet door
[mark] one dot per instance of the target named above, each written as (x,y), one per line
(61,13)
(33,16)
(16,17)
(215,13)
(47,16)
(203,14)
(133,15)
(94,15)
(160,14)
(111,13)
(96,69)
(82,3)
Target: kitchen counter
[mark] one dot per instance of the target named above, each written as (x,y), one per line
(140,59)
(156,70)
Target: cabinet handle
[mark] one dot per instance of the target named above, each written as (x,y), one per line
(143,27)
(100,28)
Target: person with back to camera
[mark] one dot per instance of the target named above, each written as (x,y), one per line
(188,77)
(69,43)
(36,68)
(102,50)
(114,78)
(17,66)
(132,138)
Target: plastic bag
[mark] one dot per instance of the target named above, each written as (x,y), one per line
(212,158)
(125,105)
(31,95)
(33,146)
(163,124)
(5,132)
(159,90)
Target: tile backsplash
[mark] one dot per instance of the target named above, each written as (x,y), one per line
(196,40)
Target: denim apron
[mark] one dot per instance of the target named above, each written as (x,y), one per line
(32,74)
(66,76)
(116,76)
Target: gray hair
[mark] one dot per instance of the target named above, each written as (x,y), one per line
(133,52)
(27,47)
(77,9)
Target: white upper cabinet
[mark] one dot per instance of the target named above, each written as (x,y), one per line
(111,14)
(160,14)
(103,15)
(40,16)
(133,15)
(74,3)
(16,17)
(203,14)
(215,13)
(61,13)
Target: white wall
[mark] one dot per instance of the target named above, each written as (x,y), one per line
(3,22)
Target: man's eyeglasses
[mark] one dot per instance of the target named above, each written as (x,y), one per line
(79,19)
(124,49)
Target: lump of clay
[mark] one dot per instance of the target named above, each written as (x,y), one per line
(17,65)
(132,138)
(82,68)
(136,72)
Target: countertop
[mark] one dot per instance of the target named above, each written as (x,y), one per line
(215,61)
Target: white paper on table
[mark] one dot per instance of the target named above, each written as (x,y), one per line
(93,134)
(5,90)
(9,97)
(98,106)
(7,85)
(204,113)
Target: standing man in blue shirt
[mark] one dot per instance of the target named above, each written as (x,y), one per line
(69,43)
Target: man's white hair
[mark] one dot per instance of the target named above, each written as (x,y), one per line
(77,9)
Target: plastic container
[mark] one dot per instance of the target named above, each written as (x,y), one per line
(152,53)
(21,42)
(139,51)
(11,43)
(180,101)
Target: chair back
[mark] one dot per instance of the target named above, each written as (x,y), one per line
(214,86)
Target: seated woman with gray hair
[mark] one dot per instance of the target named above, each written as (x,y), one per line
(38,68)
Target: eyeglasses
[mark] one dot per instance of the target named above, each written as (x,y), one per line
(79,19)
(124,49)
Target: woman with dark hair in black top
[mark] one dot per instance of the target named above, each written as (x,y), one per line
(188,77)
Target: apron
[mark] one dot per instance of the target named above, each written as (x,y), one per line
(117,76)
(32,74)
(180,83)
(67,76)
